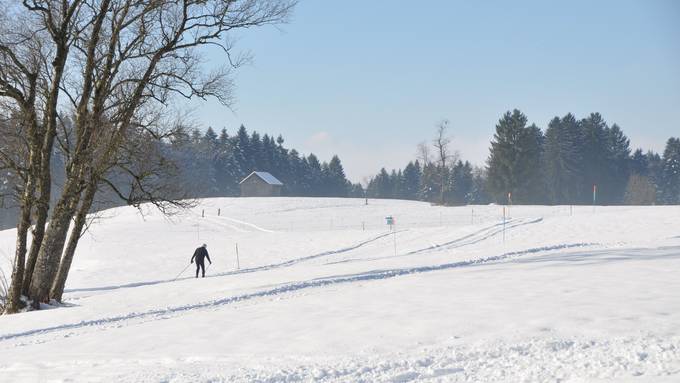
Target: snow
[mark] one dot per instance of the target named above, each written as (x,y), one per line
(325,292)
(266,177)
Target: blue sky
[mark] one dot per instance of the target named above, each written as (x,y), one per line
(369,80)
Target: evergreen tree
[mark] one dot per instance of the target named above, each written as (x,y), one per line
(256,154)
(380,186)
(429,181)
(356,191)
(561,160)
(243,151)
(295,182)
(411,181)
(639,164)
(670,173)
(210,138)
(462,183)
(479,194)
(268,162)
(314,176)
(515,152)
(395,181)
(223,139)
(655,172)
(595,157)
(338,184)
(619,163)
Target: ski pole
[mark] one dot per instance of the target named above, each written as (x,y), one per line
(182,272)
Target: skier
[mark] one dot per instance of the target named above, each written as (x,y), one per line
(199,254)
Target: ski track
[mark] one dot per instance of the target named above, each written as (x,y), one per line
(472,238)
(311,257)
(446,245)
(169,312)
(242,271)
(237,221)
(485,234)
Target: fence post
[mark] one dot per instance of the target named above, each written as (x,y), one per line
(503,224)
(238,264)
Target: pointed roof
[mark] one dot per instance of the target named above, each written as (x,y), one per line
(264,176)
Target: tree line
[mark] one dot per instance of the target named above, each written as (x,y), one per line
(212,165)
(575,161)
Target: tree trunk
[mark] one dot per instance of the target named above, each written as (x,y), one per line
(53,243)
(14,293)
(38,233)
(441,193)
(65,265)
(42,207)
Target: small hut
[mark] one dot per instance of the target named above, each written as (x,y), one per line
(260,184)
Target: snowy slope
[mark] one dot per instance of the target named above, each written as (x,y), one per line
(326,293)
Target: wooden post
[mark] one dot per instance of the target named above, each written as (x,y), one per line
(503,224)
(203,213)
(218,212)
(238,264)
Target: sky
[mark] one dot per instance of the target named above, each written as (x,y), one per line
(369,80)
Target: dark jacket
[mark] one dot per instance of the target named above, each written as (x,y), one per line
(199,254)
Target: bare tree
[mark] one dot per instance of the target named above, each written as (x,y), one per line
(140,174)
(111,64)
(441,145)
(423,153)
(22,94)
(134,54)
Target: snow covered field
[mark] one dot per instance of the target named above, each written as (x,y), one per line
(326,293)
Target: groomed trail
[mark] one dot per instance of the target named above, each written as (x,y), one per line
(164,313)
(326,292)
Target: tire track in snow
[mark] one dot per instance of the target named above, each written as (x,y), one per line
(169,312)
